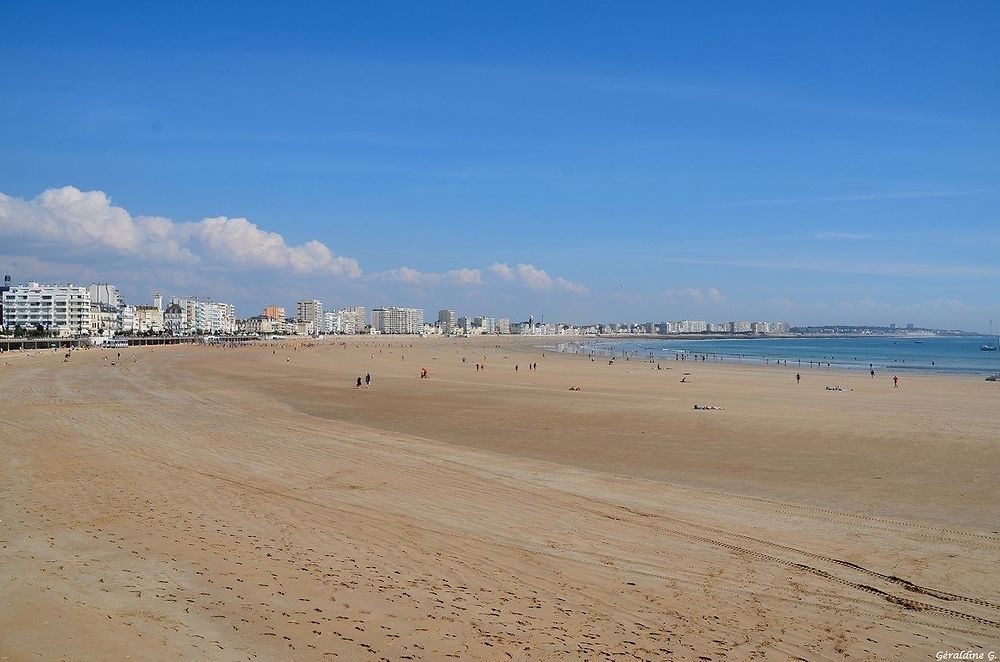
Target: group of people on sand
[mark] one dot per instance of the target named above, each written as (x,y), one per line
(367,379)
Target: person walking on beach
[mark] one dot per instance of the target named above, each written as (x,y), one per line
(895,381)
(368,379)
(873,373)
(798,377)
(359,383)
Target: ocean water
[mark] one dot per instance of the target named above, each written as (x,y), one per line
(932,354)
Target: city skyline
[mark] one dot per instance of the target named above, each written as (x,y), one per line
(630,169)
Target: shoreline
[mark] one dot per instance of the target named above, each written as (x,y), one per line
(777,360)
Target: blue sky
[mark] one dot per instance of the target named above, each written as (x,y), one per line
(816,162)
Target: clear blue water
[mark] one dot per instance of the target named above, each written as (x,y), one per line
(947,355)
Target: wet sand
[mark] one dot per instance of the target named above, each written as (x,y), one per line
(224,504)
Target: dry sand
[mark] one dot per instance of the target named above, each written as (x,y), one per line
(209,503)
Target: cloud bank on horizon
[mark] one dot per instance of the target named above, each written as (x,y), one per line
(67,223)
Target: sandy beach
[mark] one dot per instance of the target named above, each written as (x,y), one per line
(193,502)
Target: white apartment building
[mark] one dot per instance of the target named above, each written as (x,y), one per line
(485,324)
(333,322)
(503,325)
(148,319)
(393,319)
(104,319)
(175,320)
(261,324)
(206,316)
(126,320)
(692,326)
(62,310)
(106,294)
(311,311)
(446,320)
(352,319)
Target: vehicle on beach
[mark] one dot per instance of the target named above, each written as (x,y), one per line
(110,343)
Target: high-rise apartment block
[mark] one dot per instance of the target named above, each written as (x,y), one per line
(446,321)
(206,316)
(105,293)
(62,310)
(352,319)
(392,319)
(274,312)
(311,311)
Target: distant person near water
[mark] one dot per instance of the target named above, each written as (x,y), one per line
(895,381)
(798,377)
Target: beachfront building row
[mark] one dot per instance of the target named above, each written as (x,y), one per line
(100,310)
(61,310)
(397,320)
(348,320)
(310,319)
(198,315)
(688,327)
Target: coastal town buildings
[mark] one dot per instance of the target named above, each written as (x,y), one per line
(311,311)
(61,310)
(105,293)
(175,320)
(4,287)
(100,309)
(274,312)
(104,319)
(257,325)
(148,319)
(394,319)
(446,321)
(207,316)
(352,319)
(333,322)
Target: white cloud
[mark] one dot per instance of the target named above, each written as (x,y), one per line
(503,271)
(85,236)
(86,221)
(410,276)
(404,275)
(570,286)
(464,276)
(692,294)
(525,275)
(532,277)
